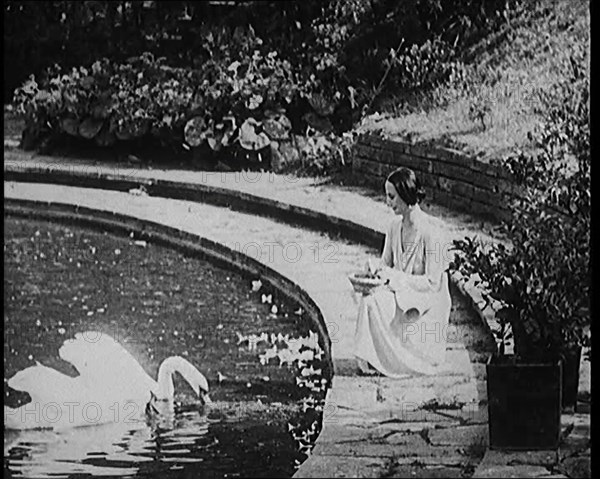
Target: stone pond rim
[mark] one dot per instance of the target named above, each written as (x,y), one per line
(201,193)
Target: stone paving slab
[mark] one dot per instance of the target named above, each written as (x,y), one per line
(572,459)
(468,414)
(369,449)
(577,436)
(457,436)
(510,471)
(402,396)
(344,466)
(580,466)
(437,457)
(424,471)
(522,458)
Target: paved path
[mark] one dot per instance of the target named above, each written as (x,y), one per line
(373,426)
(357,204)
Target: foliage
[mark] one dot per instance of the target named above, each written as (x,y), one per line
(560,165)
(110,102)
(319,64)
(420,66)
(340,48)
(542,282)
(107,101)
(323,154)
(242,96)
(495,88)
(41,34)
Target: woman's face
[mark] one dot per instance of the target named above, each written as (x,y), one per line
(393,199)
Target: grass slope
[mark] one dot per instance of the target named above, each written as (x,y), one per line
(499,93)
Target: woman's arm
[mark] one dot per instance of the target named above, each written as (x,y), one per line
(434,266)
(414,291)
(387,257)
(386,260)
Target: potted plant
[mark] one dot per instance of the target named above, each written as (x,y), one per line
(541,304)
(539,281)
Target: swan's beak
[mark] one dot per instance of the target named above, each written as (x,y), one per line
(150,408)
(205,397)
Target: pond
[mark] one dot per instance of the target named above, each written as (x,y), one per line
(263,360)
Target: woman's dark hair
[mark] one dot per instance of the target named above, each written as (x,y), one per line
(407,185)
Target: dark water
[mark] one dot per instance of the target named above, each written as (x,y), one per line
(62,280)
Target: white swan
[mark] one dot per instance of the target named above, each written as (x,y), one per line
(112,386)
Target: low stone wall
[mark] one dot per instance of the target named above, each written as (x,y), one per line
(450,177)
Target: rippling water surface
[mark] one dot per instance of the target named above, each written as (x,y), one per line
(62,280)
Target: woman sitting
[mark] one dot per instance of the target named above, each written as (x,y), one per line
(402,324)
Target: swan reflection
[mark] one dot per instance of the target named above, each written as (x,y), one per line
(109,420)
(112,449)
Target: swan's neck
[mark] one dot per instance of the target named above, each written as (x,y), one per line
(172,365)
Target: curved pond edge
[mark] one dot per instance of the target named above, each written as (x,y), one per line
(199,193)
(187,243)
(62,174)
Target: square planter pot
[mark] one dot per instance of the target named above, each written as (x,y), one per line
(524,404)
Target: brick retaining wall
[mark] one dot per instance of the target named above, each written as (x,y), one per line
(450,177)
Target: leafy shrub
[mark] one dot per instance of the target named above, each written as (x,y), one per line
(321,62)
(108,102)
(144,96)
(424,65)
(351,50)
(542,282)
(322,154)
(238,99)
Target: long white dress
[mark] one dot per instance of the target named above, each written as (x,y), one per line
(394,342)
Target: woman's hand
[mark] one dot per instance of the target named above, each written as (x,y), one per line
(373,266)
(394,278)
